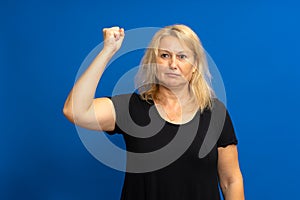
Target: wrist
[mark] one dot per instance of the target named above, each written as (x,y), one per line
(108,51)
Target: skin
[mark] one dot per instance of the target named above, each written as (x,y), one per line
(174,70)
(231,179)
(81,107)
(174,64)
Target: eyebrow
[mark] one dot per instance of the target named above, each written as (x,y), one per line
(179,52)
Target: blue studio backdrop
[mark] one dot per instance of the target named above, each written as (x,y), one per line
(255,45)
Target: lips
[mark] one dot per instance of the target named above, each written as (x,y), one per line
(172,74)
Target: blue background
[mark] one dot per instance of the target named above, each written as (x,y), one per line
(255,45)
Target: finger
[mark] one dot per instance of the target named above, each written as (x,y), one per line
(117,28)
(117,35)
(113,32)
(110,29)
(106,32)
(122,32)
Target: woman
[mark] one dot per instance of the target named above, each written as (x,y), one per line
(171,80)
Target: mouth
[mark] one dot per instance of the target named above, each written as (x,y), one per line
(172,74)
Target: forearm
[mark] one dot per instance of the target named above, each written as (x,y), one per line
(82,94)
(234,190)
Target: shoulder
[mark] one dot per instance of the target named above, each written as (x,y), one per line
(218,113)
(217,102)
(130,99)
(129,96)
(131,107)
(216,105)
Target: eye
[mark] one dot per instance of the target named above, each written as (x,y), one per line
(164,55)
(182,56)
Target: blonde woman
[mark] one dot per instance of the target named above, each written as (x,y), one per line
(173,85)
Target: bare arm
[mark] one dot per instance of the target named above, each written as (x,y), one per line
(81,107)
(231,179)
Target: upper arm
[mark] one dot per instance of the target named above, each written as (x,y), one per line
(228,165)
(105,113)
(100,116)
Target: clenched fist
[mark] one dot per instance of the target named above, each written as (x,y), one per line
(113,38)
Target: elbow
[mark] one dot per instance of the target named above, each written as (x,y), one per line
(68,113)
(233,187)
(77,118)
(224,186)
(228,182)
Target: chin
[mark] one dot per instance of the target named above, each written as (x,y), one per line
(172,84)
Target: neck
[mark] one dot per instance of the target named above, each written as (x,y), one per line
(173,96)
(176,106)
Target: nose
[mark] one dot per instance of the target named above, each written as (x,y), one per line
(173,63)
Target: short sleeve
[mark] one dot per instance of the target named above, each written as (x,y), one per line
(120,102)
(228,135)
(124,104)
(116,130)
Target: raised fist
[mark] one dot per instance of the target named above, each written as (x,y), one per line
(113,38)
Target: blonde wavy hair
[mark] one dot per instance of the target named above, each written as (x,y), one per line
(200,83)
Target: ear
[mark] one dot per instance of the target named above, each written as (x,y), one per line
(194,69)
(195,66)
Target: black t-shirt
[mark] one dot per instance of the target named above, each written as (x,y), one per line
(185,169)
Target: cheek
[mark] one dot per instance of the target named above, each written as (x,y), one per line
(187,69)
(187,72)
(161,62)
(161,66)
(159,69)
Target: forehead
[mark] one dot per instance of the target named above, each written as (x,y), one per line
(173,44)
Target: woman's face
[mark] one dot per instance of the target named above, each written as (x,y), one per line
(174,63)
